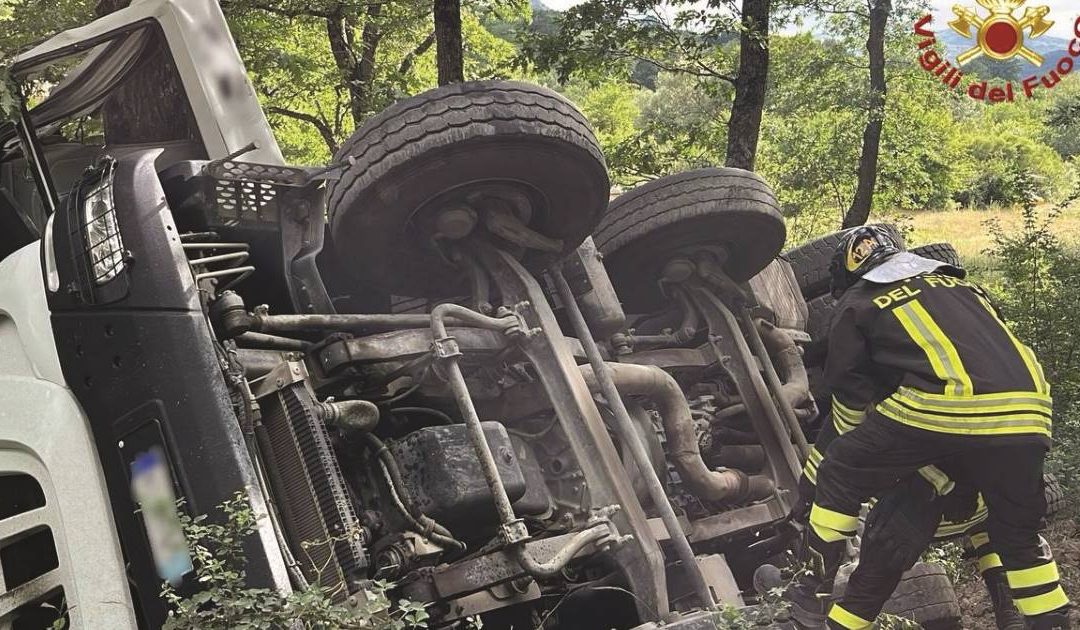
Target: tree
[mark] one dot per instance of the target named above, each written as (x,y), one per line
(449,54)
(744,128)
(861,205)
(601,39)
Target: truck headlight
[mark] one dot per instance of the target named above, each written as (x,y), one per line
(104,247)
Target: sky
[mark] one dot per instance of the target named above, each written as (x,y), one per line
(1062,12)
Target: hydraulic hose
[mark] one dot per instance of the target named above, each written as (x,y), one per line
(418,521)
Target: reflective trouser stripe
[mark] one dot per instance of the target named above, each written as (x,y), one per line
(952,528)
(937,478)
(940,352)
(1034,576)
(948,529)
(1032,363)
(813,460)
(1012,424)
(845,418)
(989,561)
(1039,604)
(832,526)
(846,619)
(980,539)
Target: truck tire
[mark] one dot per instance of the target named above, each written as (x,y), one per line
(1055,495)
(924,595)
(819,313)
(462,145)
(726,208)
(810,261)
(943,252)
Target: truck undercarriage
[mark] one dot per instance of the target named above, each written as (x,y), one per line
(446,361)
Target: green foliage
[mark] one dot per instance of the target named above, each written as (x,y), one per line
(9,96)
(1013,161)
(1038,293)
(1062,129)
(226,603)
(950,556)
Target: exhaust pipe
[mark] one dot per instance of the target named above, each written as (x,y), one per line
(732,486)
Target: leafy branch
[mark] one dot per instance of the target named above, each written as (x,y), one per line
(226,603)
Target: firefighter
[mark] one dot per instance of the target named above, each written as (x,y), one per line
(924,372)
(924,507)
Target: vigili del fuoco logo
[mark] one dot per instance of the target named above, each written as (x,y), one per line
(997,32)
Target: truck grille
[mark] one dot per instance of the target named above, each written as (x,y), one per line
(318,517)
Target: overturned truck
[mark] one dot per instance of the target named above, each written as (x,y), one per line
(445,361)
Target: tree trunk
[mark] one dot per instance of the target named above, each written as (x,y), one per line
(356,74)
(449,54)
(861,205)
(750,84)
(150,106)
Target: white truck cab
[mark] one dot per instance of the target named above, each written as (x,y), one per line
(59,540)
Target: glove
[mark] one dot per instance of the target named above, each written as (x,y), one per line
(961,504)
(902,524)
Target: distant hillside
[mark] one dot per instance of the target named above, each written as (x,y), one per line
(1051,48)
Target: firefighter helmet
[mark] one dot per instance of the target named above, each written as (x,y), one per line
(860,250)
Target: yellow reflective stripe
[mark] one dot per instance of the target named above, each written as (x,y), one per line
(989,561)
(1034,576)
(1004,425)
(829,535)
(1004,402)
(1039,604)
(941,482)
(846,619)
(832,526)
(845,418)
(998,396)
(813,460)
(980,539)
(851,416)
(1032,363)
(941,352)
(947,528)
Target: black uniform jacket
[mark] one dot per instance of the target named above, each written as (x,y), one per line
(933,353)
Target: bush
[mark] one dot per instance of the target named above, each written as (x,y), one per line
(1036,288)
(226,603)
(1013,164)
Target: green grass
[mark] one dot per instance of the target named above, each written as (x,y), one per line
(968,232)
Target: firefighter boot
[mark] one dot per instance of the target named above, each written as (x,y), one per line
(809,604)
(811,594)
(1006,616)
(1056,620)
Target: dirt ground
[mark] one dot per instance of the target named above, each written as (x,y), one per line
(1064,538)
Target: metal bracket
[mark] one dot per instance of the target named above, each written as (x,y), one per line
(277,379)
(514,532)
(445,348)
